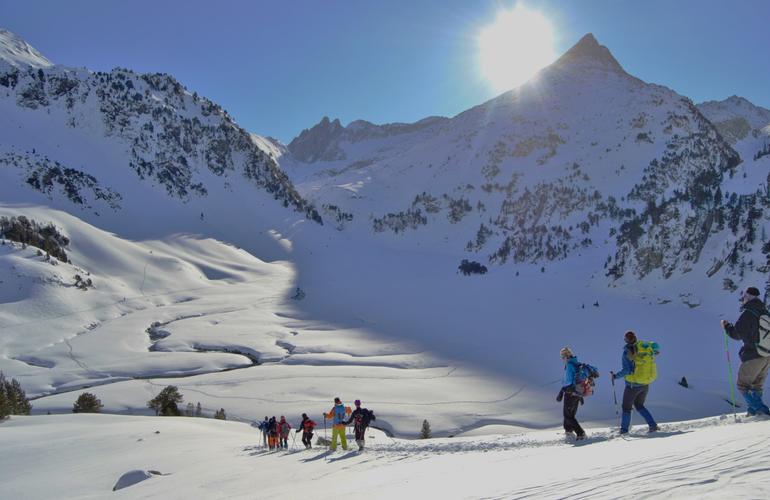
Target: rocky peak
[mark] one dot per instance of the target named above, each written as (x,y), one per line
(588,52)
(318,142)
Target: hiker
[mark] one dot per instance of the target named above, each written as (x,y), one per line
(306,426)
(272,433)
(283,432)
(263,425)
(571,400)
(337,415)
(755,359)
(361,418)
(640,371)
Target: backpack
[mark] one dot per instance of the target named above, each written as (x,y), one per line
(763,344)
(584,379)
(365,417)
(645,369)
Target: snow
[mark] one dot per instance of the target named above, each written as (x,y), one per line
(16,52)
(85,455)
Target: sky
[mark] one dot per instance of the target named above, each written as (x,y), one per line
(279,66)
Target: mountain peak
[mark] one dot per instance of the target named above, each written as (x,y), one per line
(588,51)
(18,53)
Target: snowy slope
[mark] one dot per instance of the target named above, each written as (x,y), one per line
(199,457)
(17,53)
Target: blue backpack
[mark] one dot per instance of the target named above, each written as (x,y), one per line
(584,379)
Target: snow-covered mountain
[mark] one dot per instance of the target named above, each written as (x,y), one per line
(583,158)
(121,147)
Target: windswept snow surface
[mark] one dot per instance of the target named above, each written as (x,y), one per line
(83,456)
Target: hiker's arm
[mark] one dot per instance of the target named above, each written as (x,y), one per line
(743,329)
(628,368)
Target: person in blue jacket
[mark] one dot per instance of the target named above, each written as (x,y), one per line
(567,393)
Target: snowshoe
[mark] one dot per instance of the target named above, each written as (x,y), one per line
(580,437)
(569,436)
(653,428)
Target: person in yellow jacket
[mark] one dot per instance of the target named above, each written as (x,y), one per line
(338,415)
(640,371)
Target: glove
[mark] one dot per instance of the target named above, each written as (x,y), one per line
(297,432)
(560,396)
(582,401)
(612,374)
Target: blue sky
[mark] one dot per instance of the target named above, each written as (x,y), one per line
(279,66)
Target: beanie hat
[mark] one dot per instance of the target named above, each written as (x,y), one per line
(566,352)
(751,293)
(630,337)
(357,402)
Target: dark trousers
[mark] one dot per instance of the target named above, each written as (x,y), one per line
(634,397)
(307,439)
(360,433)
(284,442)
(571,403)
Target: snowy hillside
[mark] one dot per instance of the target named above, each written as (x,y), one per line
(199,457)
(583,158)
(118,148)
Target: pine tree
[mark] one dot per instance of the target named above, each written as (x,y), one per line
(165,403)
(425,431)
(5,406)
(17,399)
(220,414)
(87,403)
(198,410)
(190,410)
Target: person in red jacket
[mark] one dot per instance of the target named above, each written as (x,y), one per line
(306,426)
(283,433)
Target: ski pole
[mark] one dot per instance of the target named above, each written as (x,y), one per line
(615,398)
(325,439)
(730,372)
(293,440)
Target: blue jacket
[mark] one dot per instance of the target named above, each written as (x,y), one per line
(570,370)
(339,416)
(628,364)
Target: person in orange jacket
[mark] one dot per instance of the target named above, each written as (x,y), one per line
(338,414)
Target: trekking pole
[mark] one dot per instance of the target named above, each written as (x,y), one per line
(293,440)
(326,441)
(615,398)
(730,371)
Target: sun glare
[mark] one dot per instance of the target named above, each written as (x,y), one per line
(514,47)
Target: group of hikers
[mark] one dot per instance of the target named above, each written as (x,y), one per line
(275,433)
(639,369)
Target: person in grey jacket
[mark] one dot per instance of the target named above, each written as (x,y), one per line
(754,367)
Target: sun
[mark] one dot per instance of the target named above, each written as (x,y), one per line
(514,47)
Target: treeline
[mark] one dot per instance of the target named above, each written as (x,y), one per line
(29,232)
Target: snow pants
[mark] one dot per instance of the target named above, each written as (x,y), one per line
(284,442)
(634,397)
(307,439)
(360,436)
(272,442)
(752,374)
(571,403)
(338,431)
(264,439)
